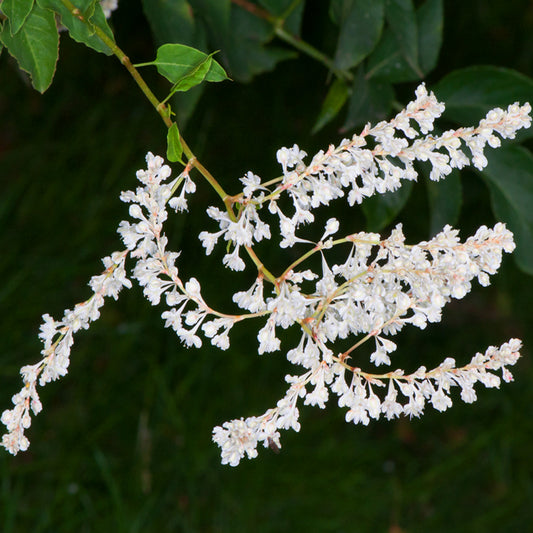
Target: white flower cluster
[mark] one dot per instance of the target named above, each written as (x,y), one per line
(241,437)
(243,232)
(58,338)
(146,243)
(372,162)
(156,269)
(381,286)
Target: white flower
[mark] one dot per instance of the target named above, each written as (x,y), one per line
(209,240)
(381,286)
(366,171)
(288,306)
(48,330)
(108,7)
(252,299)
(233,260)
(332,226)
(58,338)
(440,401)
(290,157)
(306,354)
(321,376)
(252,183)
(383,347)
(236,438)
(390,407)
(268,342)
(211,329)
(241,232)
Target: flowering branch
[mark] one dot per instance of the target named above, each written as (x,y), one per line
(383,284)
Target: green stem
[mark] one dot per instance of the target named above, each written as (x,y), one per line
(162,109)
(164,112)
(296,42)
(311,51)
(261,269)
(285,15)
(320,246)
(301,259)
(125,60)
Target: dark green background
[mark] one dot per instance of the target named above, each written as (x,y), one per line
(124,441)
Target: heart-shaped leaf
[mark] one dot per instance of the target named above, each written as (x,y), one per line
(185,66)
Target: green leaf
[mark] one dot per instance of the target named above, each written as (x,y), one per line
(430,21)
(241,38)
(78,30)
(370,101)
(244,48)
(445,197)
(361,23)
(174,147)
(178,63)
(194,77)
(335,99)
(387,62)
(509,176)
(471,92)
(35,46)
(401,18)
(173,21)
(16,11)
(290,10)
(390,62)
(381,209)
(216,16)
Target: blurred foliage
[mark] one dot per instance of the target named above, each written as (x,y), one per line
(123,442)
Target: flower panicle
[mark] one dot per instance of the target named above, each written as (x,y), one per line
(58,338)
(383,284)
(405,395)
(375,161)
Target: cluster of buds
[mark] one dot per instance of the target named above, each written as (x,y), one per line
(382,285)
